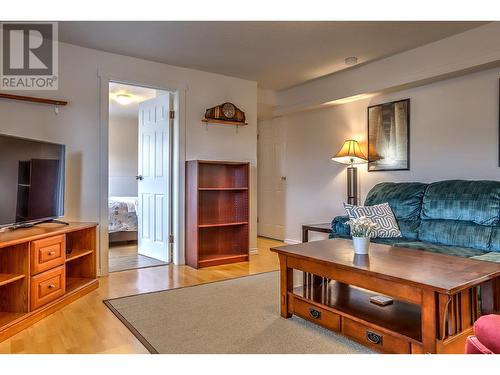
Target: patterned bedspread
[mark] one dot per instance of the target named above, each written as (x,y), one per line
(122,215)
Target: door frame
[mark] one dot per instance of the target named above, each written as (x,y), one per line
(179,158)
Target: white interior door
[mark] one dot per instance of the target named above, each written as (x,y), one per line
(271,179)
(154,178)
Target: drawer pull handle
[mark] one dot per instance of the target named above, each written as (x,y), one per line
(52,286)
(373,338)
(52,252)
(315,314)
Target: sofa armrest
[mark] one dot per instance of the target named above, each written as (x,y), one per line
(340,228)
(487,331)
(474,346)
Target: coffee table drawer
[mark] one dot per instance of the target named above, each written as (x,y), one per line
(374,339)
(47,287)
(316,314)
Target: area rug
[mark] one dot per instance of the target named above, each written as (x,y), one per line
(232,316)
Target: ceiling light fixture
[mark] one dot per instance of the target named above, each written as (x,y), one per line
(124,99)
(352,60)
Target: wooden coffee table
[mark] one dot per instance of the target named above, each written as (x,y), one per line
(436,296)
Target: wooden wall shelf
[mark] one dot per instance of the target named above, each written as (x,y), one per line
(224,122)
(34,99)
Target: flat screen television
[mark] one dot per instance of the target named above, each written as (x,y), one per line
(31,181)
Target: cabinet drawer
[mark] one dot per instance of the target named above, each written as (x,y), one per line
(47,286)
(47,253)
(316,314)
(374,339)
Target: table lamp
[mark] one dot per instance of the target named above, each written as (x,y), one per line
(351,154)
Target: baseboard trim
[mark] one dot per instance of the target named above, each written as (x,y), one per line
(291,242)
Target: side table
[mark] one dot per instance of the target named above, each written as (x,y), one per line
(309,278)
(323,228)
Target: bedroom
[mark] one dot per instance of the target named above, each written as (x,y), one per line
(126,250)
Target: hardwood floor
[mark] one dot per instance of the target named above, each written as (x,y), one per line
(87,325)
(125,257)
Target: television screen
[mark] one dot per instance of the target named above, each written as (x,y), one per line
(31,180)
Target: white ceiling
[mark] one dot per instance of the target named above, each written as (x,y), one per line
(275,54)
(139,94)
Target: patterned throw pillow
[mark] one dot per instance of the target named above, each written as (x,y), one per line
(380,214)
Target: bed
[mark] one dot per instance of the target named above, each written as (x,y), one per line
(122,218)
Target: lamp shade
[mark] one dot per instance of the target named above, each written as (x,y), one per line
(350,153)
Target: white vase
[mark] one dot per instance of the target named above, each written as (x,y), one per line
(361,245)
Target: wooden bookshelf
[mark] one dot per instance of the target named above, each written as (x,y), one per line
(221,189)
(217,214)
(222,224)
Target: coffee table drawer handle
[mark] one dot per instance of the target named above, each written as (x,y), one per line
(373,338)
(315,314)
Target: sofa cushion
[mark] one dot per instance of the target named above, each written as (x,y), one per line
(340,228)
(455,233)
(489,257)
(495,239)
(476,201)
(386,241)
(433,248)
(409,228)
(380,214)
(405,200)
(440,249)
(426,246)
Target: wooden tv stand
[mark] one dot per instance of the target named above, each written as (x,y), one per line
(38,277)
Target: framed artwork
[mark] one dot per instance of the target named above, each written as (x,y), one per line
(389,136)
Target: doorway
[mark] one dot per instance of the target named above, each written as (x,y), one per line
(139,177)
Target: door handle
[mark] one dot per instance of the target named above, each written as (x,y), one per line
(283,178)
(139,178)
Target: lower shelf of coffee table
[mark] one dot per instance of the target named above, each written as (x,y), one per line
(347,309)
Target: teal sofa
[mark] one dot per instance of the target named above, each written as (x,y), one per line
(455,217)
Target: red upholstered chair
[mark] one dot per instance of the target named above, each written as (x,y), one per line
(486,339)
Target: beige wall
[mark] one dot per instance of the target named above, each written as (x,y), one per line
(453,132)
(123,156)
(77,125)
